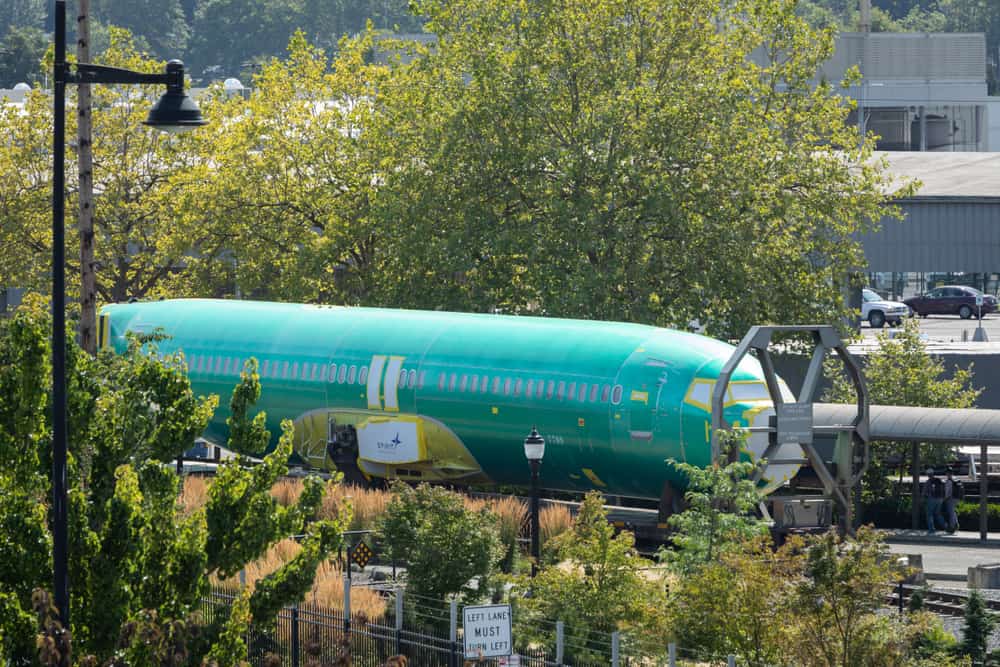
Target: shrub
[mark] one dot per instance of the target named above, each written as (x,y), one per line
(445,544)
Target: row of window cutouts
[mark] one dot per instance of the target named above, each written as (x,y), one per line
(410,378)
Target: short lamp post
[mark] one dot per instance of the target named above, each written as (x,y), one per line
(534,450)
(174,112)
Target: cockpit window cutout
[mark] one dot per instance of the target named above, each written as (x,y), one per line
(699,394)
(744,391)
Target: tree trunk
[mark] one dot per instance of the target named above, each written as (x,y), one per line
(88,279)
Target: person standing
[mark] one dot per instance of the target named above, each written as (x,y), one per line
(954,491)
(933,500)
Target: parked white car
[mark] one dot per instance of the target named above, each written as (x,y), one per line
(878,311)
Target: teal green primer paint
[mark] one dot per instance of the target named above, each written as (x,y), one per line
(451,396)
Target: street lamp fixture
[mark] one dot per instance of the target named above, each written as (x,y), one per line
(534,450)
(174,112)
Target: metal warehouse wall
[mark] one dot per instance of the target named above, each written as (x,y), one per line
(938,234)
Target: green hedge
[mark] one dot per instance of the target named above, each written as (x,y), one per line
(892,513)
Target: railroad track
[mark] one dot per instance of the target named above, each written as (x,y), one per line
(939,602)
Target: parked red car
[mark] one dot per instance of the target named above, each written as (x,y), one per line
(951,300)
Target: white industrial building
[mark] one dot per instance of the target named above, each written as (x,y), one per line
(920,91)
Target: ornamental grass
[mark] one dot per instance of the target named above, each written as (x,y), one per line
(194,494)
(512,515)
(553,520)
(328,586)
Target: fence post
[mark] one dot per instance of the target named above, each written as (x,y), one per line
(560,637)
(399,620)
(347,606)
(731,660)
(453,634)
(243,578)
(295,636)
(672,654)
(615,640)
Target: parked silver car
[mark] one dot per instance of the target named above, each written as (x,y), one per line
(878,311)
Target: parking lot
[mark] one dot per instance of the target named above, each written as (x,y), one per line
(946,328)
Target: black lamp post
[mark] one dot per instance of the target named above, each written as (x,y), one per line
(174,112)
(534,450)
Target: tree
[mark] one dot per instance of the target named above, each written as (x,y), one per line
(597,585)
(21,14)
(979,624)
(161,23)
(444,544)
(527,162)
(625,161)
(139,565)
(292,196)
(141,239)
(721,500)
(838,599)
(739,604)
(21,56)
(899,371)
(265,27)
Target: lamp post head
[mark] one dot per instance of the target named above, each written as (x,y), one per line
(534,446)
(175,112)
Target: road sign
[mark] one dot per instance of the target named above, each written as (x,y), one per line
(795,423)
(486,630)
(979,299)
(361,554)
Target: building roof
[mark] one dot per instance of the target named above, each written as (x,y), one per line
(948,174)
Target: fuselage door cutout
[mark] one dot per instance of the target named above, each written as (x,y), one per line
(375,382)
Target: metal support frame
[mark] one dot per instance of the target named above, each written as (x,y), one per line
(984,489)
(836,485)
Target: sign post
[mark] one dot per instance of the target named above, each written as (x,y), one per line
(486,631)
(980,335)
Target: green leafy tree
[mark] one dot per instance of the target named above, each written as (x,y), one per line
(838,599)
(599,584)
(266,26)
(21,13)
(21,54)
(621,160)
(739,604)
(899,371)
(141,240)
(979,624)
(161,23)
(721,500)
(444,544)
(139,565)
(293,191)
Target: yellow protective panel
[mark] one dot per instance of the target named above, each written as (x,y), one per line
(443,456)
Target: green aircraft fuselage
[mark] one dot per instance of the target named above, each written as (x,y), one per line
(442,396)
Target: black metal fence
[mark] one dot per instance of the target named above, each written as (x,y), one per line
(427,633)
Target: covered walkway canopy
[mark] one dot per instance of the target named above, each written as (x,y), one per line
(958,426)
(953,426)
